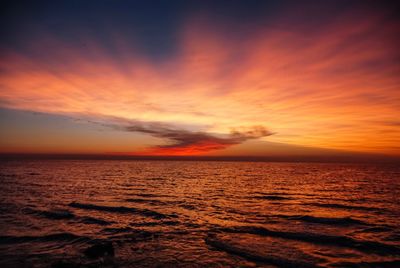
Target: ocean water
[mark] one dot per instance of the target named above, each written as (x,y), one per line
(198,214)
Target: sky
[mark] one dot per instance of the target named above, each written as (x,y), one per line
(209,78)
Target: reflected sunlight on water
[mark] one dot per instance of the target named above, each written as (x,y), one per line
(196,214)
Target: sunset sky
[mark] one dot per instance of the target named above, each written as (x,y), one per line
(219,78)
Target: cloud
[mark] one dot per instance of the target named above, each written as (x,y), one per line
(185,142)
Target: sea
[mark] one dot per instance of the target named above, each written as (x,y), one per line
(112,213)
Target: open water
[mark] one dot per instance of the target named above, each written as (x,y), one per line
(198,214)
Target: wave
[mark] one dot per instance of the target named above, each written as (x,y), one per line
(121,209)
(65,215)
(146,201)
(381,264)
(376,229)
(170,223)
(340,241)
(117,230)
(188,206)
(91,220)
(345,221)
(43,238)
(152,224)
(395,237)
(156,202)
(342,206)
(51,214)
(131,235)
(244,252)
(150,195)
(273,197)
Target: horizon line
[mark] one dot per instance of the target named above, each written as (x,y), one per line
(362,158)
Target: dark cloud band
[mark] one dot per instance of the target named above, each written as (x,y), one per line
(196,141)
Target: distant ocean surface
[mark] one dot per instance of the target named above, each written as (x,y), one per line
(63,213)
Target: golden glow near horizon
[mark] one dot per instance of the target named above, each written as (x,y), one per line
(336,87)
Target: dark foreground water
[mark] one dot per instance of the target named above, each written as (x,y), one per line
(198,214)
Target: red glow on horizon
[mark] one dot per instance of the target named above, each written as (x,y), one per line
(201,148)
